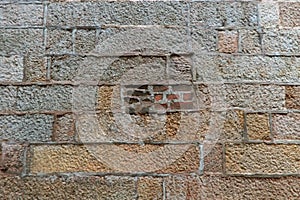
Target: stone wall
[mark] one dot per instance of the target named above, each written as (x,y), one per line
(149,99)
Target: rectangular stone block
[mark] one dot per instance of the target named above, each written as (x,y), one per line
(247,68)
(11,68)
(64,128)
(59,41)
(258,126)
(262,159)
(224,14)
(286,126)
(85,40)
(11,158)
(114,158)
(21,41)
(220,187)
(204,39)
(120,13)
(292,97)
(33,128)
(289,14)
(249,41)
(8,96)
(73,187)
(280,41)
(150,188)
(41,98)
(268,14)
(35,68)
(21,15)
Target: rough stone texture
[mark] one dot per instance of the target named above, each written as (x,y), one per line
(35,68)
(218,187)
(228,41)
(35,128)
(249,41)
(64,128)
(204,39)
(59,41)
(179,69)
(11,68)
(21,41)
(286,126)
(268,159)
(85,40)
(150,188)
(8,96)
(113,158)
(258,126)
(213,160)
(109,187)
(289,14)
(12,156)
(231,125)
(247,68)
(281,41)
(292,97)
(124,13)
(268,14)
(42,98)
(21,15)
(224,14)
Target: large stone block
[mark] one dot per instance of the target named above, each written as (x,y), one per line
(41,98)
(231,188)
(224,14)
(114,158)
(109,187)
(150,188)
(247,68)
(21,41)
(59,41)
(11,68)
(262,159)
(120,13)
(258,126)
(8,96)
(33,128)
(21,15)
(289,14)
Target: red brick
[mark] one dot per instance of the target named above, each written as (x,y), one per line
(160,88)
(158,97)
(172,96)
(187,96)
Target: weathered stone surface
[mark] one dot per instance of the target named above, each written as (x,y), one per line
(114,158)
(44,98)
(268,14)
(228,41)
(281,41)
(258,126)
(124,13)
(247,68)
(204,39)
(59,41)
(11,68)
(64,128)
(8,96)
(289,14)
(179,69)
(213,160)
(35,128)
(224,14)
(21,41)
(292,97)
(12,156)
(265,159)
(85,40)
(249,41)
(109,187)
(21,15)
(35,68)
(150,188)
(286,126)
(218,187)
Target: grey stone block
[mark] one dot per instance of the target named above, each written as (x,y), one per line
(59,41)
(11,68)
(35,68)
(34,128)
(8,95)
(21,41)
(40,98)
(21,15)
(224,14)
(249,41)
(121,13)
(85,41)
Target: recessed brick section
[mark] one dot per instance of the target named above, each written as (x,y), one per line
(258,126)
(267,159)
(228,41)
(292,97)
(289,14)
